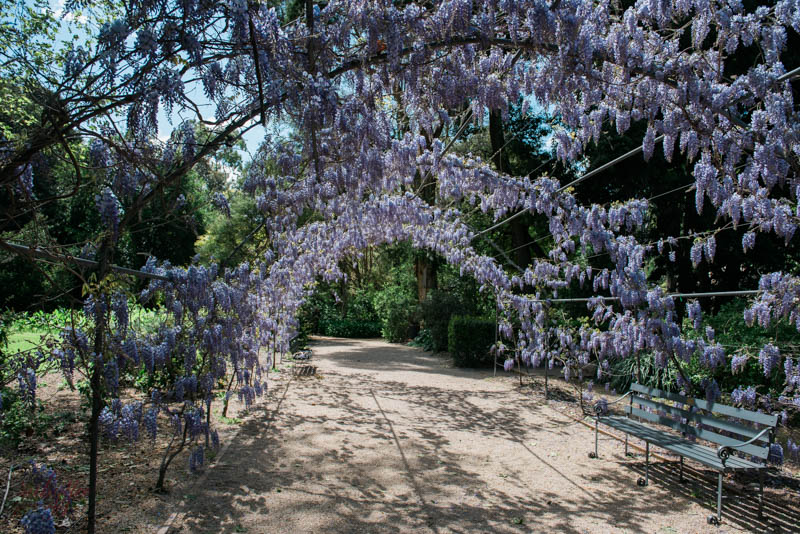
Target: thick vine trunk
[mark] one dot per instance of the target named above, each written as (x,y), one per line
(97,397)
(170,455)
(228,389)
(94,442)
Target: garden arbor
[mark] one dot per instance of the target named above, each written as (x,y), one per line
(369,90)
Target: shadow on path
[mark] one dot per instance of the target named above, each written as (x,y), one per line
(347,451)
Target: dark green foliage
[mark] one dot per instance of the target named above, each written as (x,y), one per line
(734,334)
(360,306)
(30,285)
(395,307)
(3,331)
(436,311)
(424,340)
(236,238)
(294,9)
(625,372)
(19,421)
(355,317)
(318,306)
(470,340)
(166,232)
(344,327)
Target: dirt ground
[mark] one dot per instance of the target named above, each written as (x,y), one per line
(388,439)
(127,473)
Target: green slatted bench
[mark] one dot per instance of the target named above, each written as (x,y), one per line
(730,428)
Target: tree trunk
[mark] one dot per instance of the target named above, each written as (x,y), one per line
(425,270)
(520,239)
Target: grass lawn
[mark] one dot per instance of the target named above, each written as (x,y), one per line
(22,340)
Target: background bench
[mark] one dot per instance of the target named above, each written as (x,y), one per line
(733,429)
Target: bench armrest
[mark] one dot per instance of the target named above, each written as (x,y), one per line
(595,406)
(619,399)
(725,451)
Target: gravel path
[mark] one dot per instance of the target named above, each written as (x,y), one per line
(389,439)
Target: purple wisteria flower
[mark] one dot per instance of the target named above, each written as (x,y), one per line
(775,454)
(738,362)
(768,357)
(221,202)
(38,521)
(744,396)
(695,313)
(196,458)
(109,208)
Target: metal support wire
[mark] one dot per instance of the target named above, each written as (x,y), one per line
(743,292)
(789,75)
(794,73)
(659,195)
(575,182)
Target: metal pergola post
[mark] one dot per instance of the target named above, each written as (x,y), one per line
(496,313)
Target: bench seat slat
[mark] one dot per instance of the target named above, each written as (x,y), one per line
(721,424)
(696,452)
(714,407)
(752,449)
(700,453)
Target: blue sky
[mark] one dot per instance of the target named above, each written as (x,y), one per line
(73,25)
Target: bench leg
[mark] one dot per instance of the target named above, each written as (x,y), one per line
(596,432)
(760,493)
(646,480)
(681,476)
(715,519)
(626,445)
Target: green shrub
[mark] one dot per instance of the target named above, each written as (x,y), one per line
(395,324)
(436,312)
(424,340)
(322,314)
(320,305)
(20,421)
(624,372)
(337,327)
(469,341)
(360,306)
(733,333)
(395,307)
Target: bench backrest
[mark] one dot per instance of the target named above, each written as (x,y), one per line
(730,425)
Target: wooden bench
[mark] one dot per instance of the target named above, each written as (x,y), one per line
(732,429)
